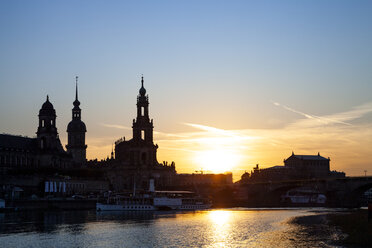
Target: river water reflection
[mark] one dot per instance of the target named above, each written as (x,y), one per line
(211,228)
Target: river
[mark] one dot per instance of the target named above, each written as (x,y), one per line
(210,228)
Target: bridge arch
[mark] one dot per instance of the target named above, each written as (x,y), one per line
(357,193)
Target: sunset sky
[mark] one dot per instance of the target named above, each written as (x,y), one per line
(230,83)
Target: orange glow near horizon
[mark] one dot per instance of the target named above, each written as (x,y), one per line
(216,150)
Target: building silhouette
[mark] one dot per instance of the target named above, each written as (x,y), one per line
(76,130)
(309,166)
(41,166)
(296,167)
(140,150)
(135,161)
(45,150)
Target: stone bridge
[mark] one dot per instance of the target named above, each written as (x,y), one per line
(340,192)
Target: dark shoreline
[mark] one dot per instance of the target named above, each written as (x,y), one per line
(334,229)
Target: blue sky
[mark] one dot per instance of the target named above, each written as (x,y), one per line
(218,64)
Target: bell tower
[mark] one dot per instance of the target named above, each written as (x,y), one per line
(47,131)
(142,126)
(76,130)
(140,150)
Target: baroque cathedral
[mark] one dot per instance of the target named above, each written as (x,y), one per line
(135,161)
(140,150)
(46,150)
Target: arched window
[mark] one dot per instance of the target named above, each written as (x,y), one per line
(143,134)
(42,123)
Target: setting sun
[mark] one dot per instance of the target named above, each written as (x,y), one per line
(217,161)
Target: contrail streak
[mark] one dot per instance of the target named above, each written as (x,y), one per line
(325,120)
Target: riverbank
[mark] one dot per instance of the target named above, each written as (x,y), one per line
(356,226)
(344,228)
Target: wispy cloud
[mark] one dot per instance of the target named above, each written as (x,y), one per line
(211,129)
(115,126)
(217,132)
(169,134)
(355,113)
(159,134)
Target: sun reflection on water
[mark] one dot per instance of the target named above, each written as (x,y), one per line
(220,227)
(219,217)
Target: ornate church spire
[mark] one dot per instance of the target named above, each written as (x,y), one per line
(76,102)
(76,130)
(142,90)
(76,95)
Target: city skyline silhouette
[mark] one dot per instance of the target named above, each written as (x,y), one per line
(252,81)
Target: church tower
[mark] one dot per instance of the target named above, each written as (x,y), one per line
(47,135)
(142,126)
(76,130)
(140,150)
(135,162)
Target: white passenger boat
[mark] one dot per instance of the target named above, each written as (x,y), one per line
(126,203)
(154,200)
(158,200)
